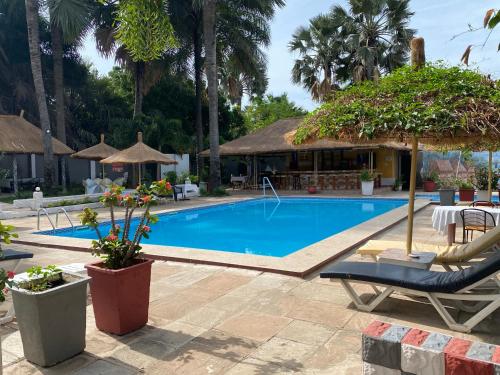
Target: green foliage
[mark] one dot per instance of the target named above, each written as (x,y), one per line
(40,279)
(65,202)
(481,176)
(144,28)
(6,234)
(219,191)
(5,280)
(171,177)
(262,112)
(431,176)
(121,247)
(366,175)
(435,101)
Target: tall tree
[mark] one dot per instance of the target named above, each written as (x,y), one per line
(377,35)
(36,69)
(209,31)
(320,66)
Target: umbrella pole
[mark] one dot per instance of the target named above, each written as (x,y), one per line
(490,173)
(411,198)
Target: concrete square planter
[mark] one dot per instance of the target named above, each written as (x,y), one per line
(52,323)
(447,197)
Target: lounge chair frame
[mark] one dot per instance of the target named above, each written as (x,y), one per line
(483,304)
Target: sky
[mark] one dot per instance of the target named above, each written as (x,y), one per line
(437,21)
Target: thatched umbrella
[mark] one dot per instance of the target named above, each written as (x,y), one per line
(96,153)
(432,105)
(139,153)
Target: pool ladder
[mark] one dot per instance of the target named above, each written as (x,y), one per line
(46,213)
(266,183)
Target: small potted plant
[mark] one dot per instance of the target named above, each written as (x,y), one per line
(447,191)
(466,190)
(481,184)
(397,186)
(430,181)
(51,313)
(121,279)
(312,189)
(367,182)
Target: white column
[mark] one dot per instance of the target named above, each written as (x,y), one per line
(92,170)
(33,166)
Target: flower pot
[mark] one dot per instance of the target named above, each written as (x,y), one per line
(52,323)
(430,186)
(367,187)
(120,297)
(482,195)
(312,190)
(447,197)
(466,195)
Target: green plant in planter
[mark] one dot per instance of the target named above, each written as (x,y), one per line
(431,176)
(121,246)
(5,276)
(366,175)
(396,185)
(465,184)
(448,183)
(41,279)
(481,175)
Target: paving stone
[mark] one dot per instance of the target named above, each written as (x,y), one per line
(206,317)
(253,325)
(338,352)
(254,366)
(306,333)
(328,314)
(102,367)
(284,353)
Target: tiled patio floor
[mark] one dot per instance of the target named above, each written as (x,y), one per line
(214,320)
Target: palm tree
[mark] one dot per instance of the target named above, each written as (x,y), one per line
(377,35)
(262,8)
(210,35)
(320,63)
(36,68)
(69,21)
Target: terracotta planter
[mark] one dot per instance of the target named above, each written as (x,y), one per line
(466,195)
(430,186)
(120,297)
(312,190)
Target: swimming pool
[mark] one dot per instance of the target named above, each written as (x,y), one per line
(434,197)
(257,226)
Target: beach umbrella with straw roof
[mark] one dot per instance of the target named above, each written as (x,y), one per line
(96,153)
(428,104)
(139,154)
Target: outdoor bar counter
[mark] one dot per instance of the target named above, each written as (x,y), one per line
(326,180)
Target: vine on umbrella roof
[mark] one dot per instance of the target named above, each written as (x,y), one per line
(437,103)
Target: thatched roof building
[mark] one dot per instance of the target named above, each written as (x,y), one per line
(278,137)
(18,136)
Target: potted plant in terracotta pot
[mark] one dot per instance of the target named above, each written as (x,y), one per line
(51,313)
(121,279)
(466,190)
(367,182)
(447,191)
(430,181)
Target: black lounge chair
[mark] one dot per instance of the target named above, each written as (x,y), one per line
(477,285)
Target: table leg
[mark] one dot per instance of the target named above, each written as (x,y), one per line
(451,233)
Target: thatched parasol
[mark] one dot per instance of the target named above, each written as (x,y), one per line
(432,105)
(98,152)
(139,153)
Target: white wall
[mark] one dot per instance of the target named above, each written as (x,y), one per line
(181,166)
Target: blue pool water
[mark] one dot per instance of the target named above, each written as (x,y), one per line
(258,226)
(434,197)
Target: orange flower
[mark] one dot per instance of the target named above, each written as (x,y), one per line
(10,275)
(146,229)
(112,237)
(146,199)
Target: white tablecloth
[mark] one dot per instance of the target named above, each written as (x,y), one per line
(444,215)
